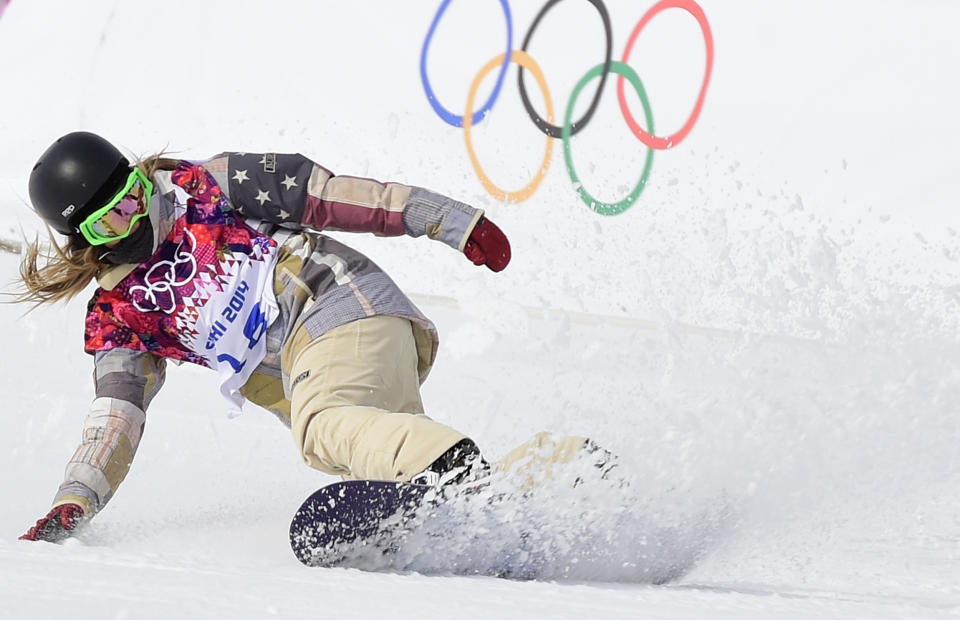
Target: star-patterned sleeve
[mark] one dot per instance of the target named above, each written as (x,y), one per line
(293,192)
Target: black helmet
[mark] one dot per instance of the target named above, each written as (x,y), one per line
(78,173)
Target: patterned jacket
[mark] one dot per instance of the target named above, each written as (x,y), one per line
(318,283)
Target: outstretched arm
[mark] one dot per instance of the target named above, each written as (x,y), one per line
(291,191)
(126,382)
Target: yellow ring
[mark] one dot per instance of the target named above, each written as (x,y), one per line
(525,61)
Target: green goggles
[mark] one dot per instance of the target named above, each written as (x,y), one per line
(115,220)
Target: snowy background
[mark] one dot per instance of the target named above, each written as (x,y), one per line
(768,338)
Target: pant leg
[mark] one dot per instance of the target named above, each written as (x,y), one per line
(533,462)
(355,403)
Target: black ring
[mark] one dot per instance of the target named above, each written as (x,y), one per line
(552,130)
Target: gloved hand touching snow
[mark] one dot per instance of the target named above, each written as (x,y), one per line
(60,523)
(487,245)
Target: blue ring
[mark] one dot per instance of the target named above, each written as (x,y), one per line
(455,119)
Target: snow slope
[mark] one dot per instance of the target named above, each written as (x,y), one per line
(768,338)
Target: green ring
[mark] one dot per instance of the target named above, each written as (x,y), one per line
(604,208)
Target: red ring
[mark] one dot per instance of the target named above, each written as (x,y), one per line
(650,140)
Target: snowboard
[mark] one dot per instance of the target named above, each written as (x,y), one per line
(363,522)
(349,518)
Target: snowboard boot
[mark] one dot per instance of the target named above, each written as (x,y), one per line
(460,466)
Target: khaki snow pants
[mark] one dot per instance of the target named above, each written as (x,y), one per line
(355,401)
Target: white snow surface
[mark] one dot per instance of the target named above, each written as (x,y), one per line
(768,338)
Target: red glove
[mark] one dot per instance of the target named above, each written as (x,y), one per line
(59,524)
(487,245)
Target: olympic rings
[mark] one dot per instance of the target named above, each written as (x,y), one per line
(449,117)
(604,208)
(652,141)
(524,60)
(552,130)
(625,73)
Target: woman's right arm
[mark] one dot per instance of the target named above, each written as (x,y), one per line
(126,381)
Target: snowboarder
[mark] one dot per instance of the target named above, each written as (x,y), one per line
(221,263)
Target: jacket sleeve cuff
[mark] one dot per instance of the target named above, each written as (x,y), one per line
(439,217)
(81,499)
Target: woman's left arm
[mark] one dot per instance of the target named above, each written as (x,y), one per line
(291,191)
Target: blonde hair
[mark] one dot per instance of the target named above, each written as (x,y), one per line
(60,272)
